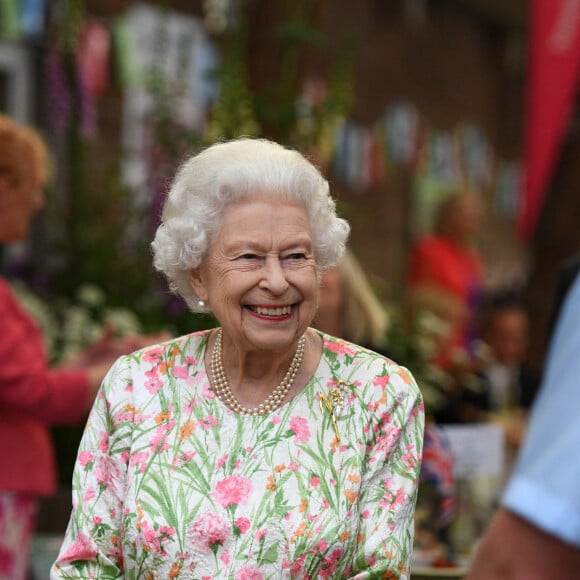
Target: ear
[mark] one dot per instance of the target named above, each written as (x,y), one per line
(196,279)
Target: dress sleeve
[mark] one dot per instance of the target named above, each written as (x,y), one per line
(92,543)
(27,384)
(389,485)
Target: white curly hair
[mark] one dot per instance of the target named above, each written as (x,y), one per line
(231,171)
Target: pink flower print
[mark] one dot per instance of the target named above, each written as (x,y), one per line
(249,573)
(299,426)
(90,493)
(158,442)
(322,545)
(108,474)
(381,381)
(86,458)
(153,384)
(276,419)
(209,422)
(83,548)
(298,564)
(329,564)
(314,481)
(209,531)
(153,354)
(232,490)
(221,461)
(385,443)
(180,372)
(125,415)
(259,535)
(242,524)
(183,458)
(207,392)
(339,347)
(97,520)
(153,539)
(409,460)
(399,497)
(190,360)
(225,558)
(140,458)
(365,515)
(104,442)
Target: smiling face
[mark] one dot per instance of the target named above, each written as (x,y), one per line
(259,276)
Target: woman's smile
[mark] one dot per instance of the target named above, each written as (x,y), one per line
(277,313)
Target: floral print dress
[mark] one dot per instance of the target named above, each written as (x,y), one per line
(169,483)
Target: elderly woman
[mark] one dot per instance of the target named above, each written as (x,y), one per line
(262,448)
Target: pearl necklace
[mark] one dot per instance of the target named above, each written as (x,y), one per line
(224,392)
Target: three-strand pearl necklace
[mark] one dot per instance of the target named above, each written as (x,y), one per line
(224,392)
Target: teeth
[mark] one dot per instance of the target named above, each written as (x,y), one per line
(280,311)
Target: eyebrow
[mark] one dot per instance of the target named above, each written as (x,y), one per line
(243,242)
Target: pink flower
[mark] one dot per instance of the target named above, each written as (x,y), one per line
(180,372)
(293,466)
(339,347)
(83,548)
(314,481)
(249,573)
(260,534)
(209,531)
(243,524)
(153,384)
(299,427)
(209,422)
(225,558)
(153,354)
(104,442)
(232,490)
(381,381)
(276,419)
(86,457)
(108,474)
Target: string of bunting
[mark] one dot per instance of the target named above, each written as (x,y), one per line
(365,157)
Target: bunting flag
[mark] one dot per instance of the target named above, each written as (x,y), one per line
(553,67)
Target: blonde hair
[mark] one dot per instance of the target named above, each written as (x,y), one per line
(365,318)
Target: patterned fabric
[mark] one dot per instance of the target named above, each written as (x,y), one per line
(169,483)
(17,520)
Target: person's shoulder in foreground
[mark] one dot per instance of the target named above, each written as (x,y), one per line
(536,533)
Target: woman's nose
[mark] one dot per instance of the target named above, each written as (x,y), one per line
(274,278)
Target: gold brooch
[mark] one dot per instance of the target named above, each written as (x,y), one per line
(333,404)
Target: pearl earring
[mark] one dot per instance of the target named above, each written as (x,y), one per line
(200,304)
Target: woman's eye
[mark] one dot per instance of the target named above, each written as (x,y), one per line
(296,256)
(249,256)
